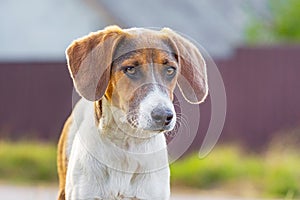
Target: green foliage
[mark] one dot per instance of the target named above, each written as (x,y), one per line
(282,175)
(27,162)
(282,27)
(273,174)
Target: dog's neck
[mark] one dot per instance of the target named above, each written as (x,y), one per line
(112,125)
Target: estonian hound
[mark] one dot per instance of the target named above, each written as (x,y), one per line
(112,146)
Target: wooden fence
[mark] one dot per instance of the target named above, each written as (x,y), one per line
(262,86)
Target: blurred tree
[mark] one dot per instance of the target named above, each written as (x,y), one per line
(282,25)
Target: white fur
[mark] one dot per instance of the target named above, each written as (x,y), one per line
(106,162)
(152,100)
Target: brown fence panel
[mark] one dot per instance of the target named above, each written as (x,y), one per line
(262,86)
(35,99)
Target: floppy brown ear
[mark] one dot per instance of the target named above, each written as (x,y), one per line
(192,80)
(89,60)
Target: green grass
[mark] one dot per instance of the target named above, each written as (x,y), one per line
(275,173)
(272,174)
(27,162)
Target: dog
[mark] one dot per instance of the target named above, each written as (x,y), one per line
(112,146)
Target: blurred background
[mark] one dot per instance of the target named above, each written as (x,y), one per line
(254,43)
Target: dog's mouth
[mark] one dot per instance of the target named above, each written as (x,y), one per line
(160,129)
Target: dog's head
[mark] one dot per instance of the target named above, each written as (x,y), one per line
(136,70)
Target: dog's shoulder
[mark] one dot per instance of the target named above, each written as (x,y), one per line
(82,115)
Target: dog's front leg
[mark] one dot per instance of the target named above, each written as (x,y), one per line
(84,175)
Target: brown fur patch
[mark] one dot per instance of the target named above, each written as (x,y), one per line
(193,82)
(98,111)
(89,60)
(62,161)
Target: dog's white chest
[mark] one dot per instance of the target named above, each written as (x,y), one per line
(99,170)
(88,178)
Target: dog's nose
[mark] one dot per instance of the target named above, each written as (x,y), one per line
(162,116)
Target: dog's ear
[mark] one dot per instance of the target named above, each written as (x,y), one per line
(89,60)
(192,80)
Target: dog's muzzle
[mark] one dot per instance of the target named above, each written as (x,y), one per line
(156,112)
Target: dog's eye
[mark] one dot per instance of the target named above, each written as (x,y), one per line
(170,71)
(130,70)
